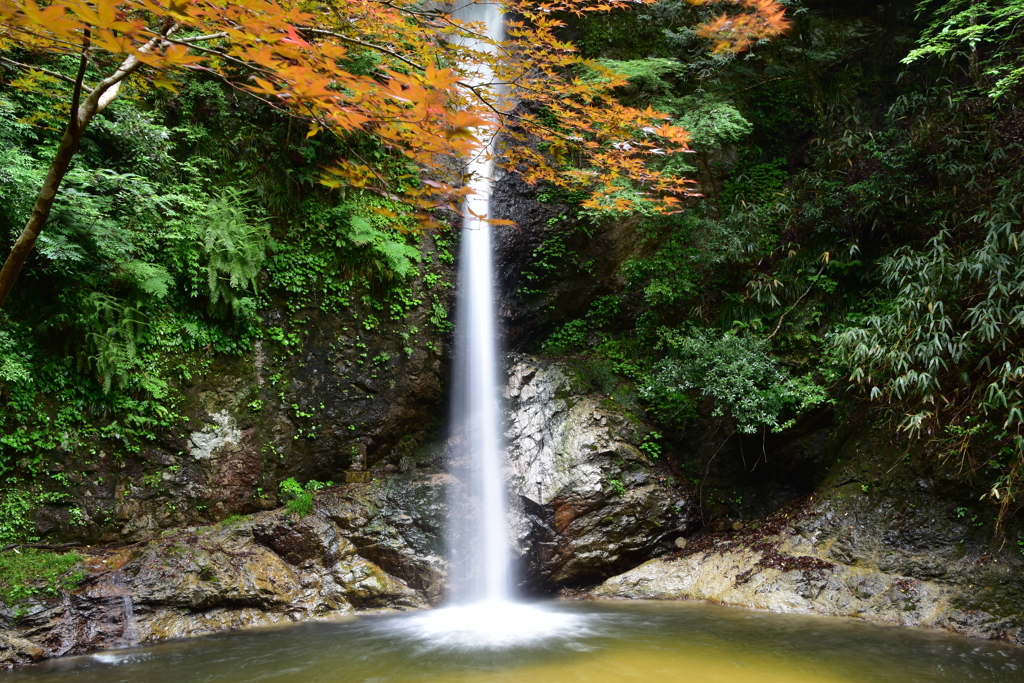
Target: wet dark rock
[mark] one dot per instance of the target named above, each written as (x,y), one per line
(14,650)
(530,309)
(364,547)
(587,501)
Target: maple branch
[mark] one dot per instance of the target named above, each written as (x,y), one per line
(76,96)
(199,39)
(54,74)
(71,47)
(446,17)
(219,53)
(528,122)
(361,43)
(107,90)
(502,115)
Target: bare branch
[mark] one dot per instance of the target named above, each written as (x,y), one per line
(54,74)
(797,302)
(76,96)
(361,43)
(200,39)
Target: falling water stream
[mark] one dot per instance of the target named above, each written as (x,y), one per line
(479,539)
(481,611)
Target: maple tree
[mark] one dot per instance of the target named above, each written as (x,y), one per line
(421,100)
(736,31)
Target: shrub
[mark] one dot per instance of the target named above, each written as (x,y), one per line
(737,373)
(299,499)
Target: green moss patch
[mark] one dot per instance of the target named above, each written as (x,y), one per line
(30,572)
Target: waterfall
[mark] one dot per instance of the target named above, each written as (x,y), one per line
(481,612)
(129,633)
(479,538)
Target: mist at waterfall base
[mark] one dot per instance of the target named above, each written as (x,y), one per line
(480,611)
(674,642)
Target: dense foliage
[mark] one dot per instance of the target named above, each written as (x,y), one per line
(185,180)
(186,218)
(418,81)
(858,237)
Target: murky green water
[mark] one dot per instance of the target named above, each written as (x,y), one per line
(599,642)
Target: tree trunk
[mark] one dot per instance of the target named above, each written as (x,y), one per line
(98,99)
(41,211)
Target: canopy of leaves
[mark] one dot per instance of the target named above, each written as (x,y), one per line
(962,28)
(313,64)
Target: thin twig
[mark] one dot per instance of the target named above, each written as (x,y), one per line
(54,74)
(758,85)
(707,469)
(362,43)
(42,546)
(221,54)
(796,303)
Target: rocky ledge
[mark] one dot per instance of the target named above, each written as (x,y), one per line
(363,548)
(797,561)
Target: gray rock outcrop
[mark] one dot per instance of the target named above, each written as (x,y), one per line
(587,502)
(363,548)
(792,562)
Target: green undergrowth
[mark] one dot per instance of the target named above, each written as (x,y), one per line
(29,572)
(859,235)
(298,498)
(186,221)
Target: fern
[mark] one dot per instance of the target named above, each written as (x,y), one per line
(15,365)
(713,123)
(233,249)
(392,257)
(150,278)
(112,330)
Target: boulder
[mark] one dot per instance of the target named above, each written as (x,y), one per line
(363,548)
(586,501)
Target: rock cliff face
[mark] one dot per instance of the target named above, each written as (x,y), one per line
(363,548)
(318,391)
(587,501)
(911,553)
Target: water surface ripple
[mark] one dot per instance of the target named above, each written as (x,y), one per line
(574,642)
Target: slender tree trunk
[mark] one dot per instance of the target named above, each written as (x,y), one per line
(41,211)
(97,100)
(51,185)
